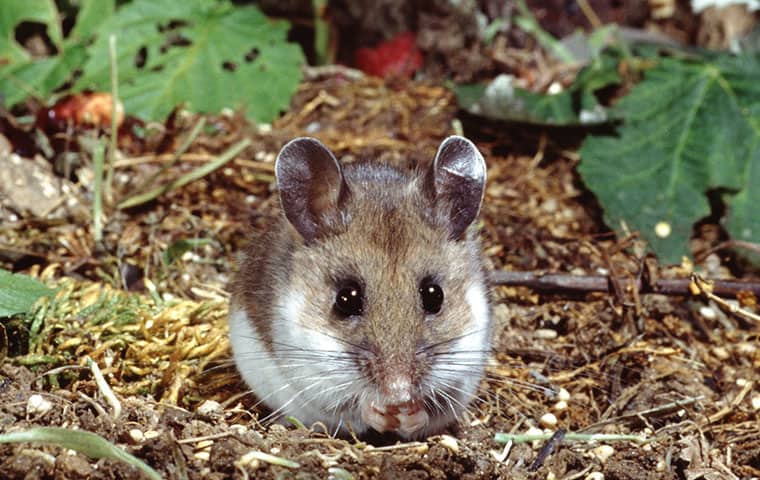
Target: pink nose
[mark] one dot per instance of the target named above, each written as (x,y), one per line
(397,389)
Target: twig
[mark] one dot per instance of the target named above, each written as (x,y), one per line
(590,14)
(105,389)
(668,407)
(579,284)
(739,398)
(176,155)
(185,179)
(706,289)
(754,247)
(547,449)
(193,157)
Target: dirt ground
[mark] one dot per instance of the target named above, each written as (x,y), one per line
(677,371)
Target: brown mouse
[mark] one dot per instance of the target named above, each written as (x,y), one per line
(366,304)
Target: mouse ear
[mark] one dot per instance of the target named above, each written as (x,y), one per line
(311,184)
(457,179)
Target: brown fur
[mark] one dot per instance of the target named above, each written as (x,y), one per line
(388,235)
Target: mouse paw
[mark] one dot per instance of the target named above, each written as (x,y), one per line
(405,418)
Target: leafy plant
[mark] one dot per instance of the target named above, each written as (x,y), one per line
(575,105)
(207,54)
(18,293)
(690,127)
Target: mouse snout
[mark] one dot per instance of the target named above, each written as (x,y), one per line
(397,388)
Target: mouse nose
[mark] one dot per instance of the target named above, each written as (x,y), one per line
(397,388)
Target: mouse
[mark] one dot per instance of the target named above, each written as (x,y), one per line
(365,305)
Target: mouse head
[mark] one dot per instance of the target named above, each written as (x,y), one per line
(387,282)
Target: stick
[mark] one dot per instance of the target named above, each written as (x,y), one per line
(579,284)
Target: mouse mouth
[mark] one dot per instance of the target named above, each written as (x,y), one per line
(405,418)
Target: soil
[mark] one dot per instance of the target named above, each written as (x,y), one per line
(679,372)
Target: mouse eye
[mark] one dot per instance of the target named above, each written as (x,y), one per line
(348,301)
(432,296)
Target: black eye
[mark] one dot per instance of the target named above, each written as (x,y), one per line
(348,301)
(432,296)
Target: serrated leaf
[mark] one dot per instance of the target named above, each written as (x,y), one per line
(39,77)
(690,127)
(14,12)
(219,35)
(18,293)
(87,443)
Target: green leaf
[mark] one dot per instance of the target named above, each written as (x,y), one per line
(39,77)
(14,12)
(690,127)
(87,443)
(18,293)
(186,47)
(92,14)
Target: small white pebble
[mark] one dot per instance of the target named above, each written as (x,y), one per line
(708,313)
(209,407)
(721,353)
(450,443)
(548,420)
(595,476)
(660,467)
(38,405)
(563,395)
(741,382)
(560,406)
(746,348)
(549,206)
(554,88)
(150,434)
(250,459)
(551,476)
(756,402)
(545,334)
(264,127)
(136,435)
(536,444)
(603,452)
(204,455)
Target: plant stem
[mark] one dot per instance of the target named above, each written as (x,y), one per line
(580,437)
(114,115)
(98,155)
